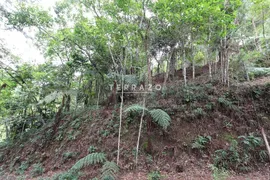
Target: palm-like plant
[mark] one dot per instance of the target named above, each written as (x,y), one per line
(158,115)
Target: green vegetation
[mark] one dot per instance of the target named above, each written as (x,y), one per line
(133,85)
(37,170)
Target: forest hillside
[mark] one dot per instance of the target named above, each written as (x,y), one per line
(135,89)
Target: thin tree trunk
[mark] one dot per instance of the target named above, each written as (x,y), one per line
(193,68)
(266,142)
(98,97)
(246,71)
(120,119)
(167,71)
(221,61)
(7,129)
(140,130)
(210,70)
(184,67)
(121,109)
(257,41)
(225,61)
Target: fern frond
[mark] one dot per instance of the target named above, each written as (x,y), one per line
(109,170)
(90,159)
(160,117)
(130,79)
(135,108)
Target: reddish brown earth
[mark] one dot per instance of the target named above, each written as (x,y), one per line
(171,151)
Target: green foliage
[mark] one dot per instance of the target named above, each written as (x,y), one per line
(219,174)
(29,16)
(69,155)
(135,108)
(199,112)
(154,175)
(22,168)
(105,133)
(159,116)
(37,170)
(259,72)
(226,103)
(109,171)
(201,142)
(250,142)
(92,149)
(90,159)
(69,175)
(241,155)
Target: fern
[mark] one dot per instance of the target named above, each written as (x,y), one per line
(227,103)
(109,170)
(91,159)
(130,79)
(160,117)
(136,108)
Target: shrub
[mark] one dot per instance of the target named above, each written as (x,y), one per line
(250,142)
(199,112)
(200,142)
(37,170)
(92,149)
(69,155)
(219,174)
(69,175)
(239,155)
(22,168)
(154,175)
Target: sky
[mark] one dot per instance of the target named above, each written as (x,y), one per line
(21,46)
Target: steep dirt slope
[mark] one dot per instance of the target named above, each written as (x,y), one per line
(199,110)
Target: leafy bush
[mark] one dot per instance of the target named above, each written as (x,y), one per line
(154,175)
(240,155)
(69,175)
(69,155)
(92,149)
(226,103)
(200,142)
(199,112)
(37,170)
(22,168)
(251,142)
(219,174)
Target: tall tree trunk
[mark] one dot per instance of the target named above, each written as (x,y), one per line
(257,41)
(246,71)
(67,104)
(216,63)
(148,60)
(172,64)
(7,129)
(221,58)
(184,66)
(193,68)
(140,131)
(210,69)
(167,70)
(120,120)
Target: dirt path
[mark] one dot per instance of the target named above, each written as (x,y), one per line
(257,82)
(201,175)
